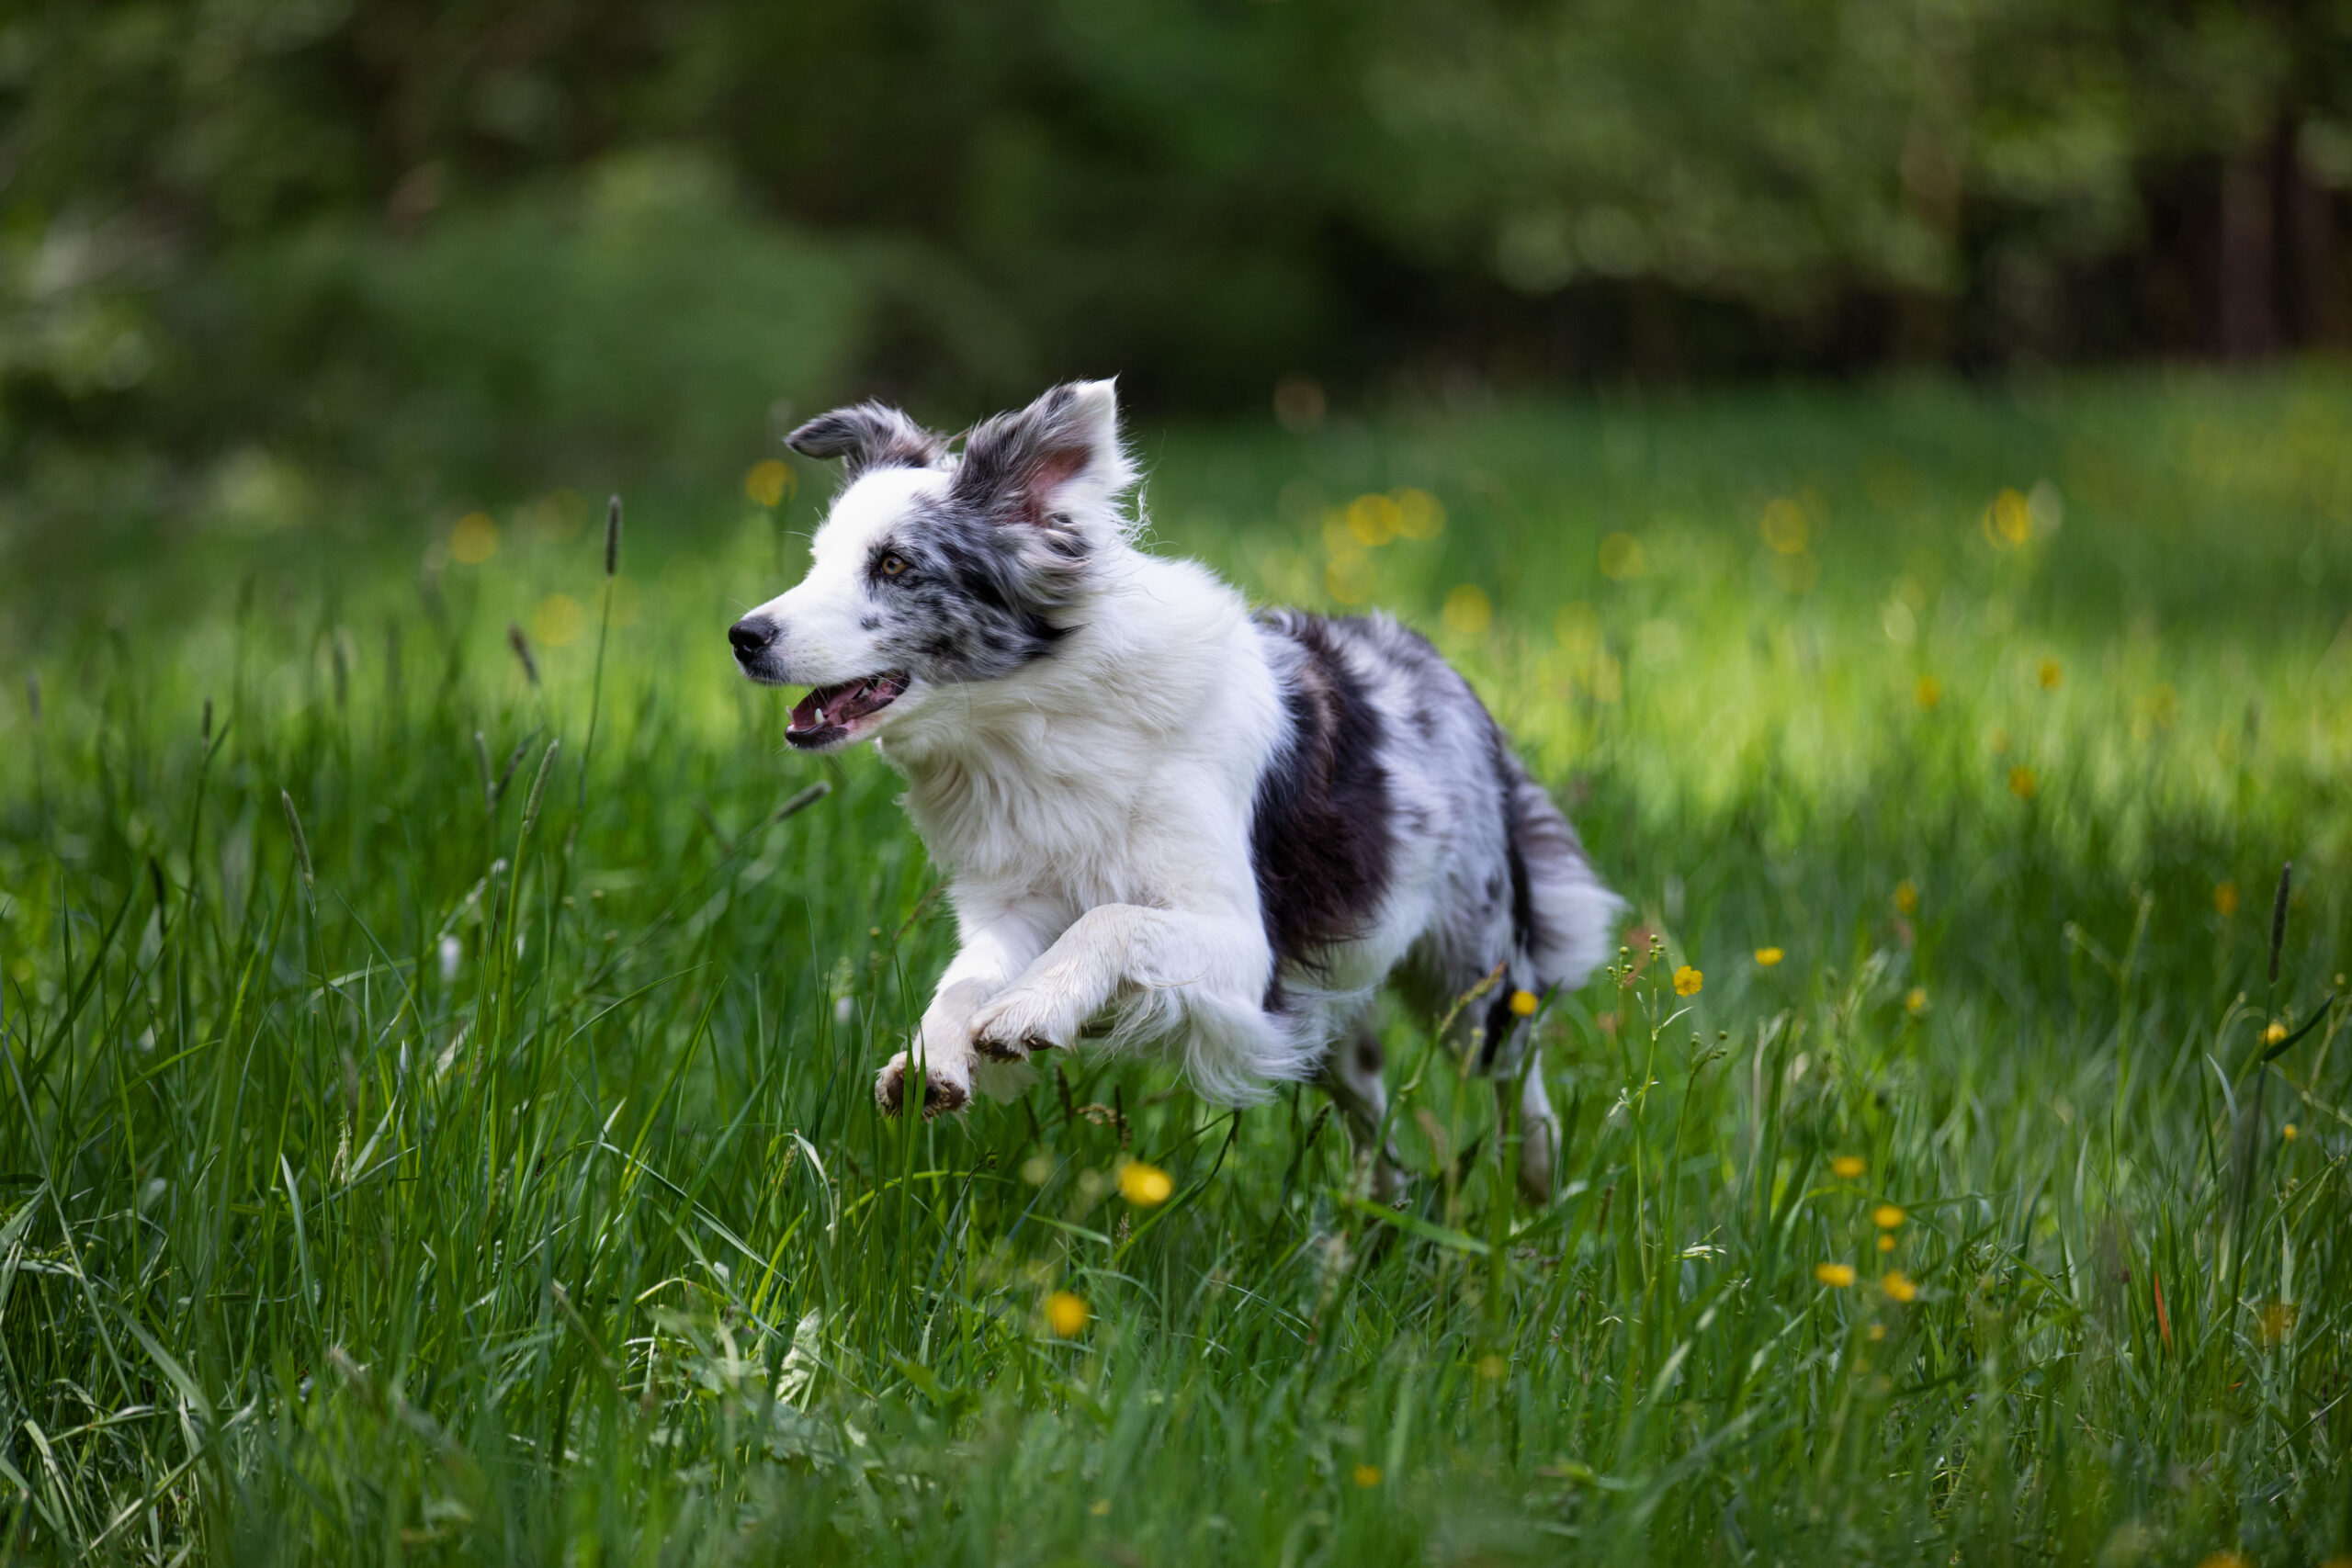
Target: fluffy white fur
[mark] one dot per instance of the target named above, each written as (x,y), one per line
(1094,809)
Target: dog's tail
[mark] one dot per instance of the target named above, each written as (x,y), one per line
(1565,915)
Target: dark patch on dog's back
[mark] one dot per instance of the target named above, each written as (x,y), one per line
(1319,840)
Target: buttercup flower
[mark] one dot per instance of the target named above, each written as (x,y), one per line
(1898,1286)
(1687,981)
(1928,690)
(1066,1315)
(1768,956)
(2022,783)
(1145,1186)
(1367,1475)
(1907,896)
(1523,1003)
(2275,1033)
(1887,1217)
(1847,1168)
(2050,675)
(2225,898)
(1836,1276)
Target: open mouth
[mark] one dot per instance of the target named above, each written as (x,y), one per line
(830,715)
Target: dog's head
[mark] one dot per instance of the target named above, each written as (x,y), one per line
(936,568)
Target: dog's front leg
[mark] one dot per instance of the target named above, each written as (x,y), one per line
(995,950)
(1171,969)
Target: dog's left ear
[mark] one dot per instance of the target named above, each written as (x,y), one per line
(1055,459)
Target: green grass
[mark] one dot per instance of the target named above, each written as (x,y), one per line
(492,1190)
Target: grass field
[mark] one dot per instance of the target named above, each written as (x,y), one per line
(423,1145)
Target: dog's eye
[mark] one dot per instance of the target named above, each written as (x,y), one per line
(893,564)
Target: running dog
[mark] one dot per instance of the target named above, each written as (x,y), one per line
(1168,823)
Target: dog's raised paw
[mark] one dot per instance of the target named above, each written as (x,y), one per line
(942,1098)
(997,1050)
(890,1086)
(942,1094)
(1016,1028)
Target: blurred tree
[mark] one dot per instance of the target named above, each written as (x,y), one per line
(490,237)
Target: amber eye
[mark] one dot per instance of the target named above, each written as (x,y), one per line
(893,564)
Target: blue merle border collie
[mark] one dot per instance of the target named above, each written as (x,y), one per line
(1170,824)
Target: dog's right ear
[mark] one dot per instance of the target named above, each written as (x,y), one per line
(867,436)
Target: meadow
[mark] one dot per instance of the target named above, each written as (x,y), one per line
(438,1122)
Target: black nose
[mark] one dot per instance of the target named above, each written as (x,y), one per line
(750,635)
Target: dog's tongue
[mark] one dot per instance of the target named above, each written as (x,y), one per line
(808,711)
(828,707)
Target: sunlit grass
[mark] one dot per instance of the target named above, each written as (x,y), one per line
(470,1189)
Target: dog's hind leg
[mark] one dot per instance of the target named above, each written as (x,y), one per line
(1354,1075)
(1538,1126)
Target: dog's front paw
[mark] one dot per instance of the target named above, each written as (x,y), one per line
(946,1090)
(1020,1023)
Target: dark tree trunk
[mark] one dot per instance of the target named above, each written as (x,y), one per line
(2246,259)
(2318,316)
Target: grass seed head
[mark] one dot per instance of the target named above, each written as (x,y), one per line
(301,844)
(2279,918)
(522,646)
(613,536)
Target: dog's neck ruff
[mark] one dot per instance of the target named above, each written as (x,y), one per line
(1043,767)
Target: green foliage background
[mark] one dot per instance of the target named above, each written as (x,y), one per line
(518,242)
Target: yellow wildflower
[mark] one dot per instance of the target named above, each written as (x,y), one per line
(1367,1475)
(1768,956)
(2275,1033)
(474,540)
(1928,691)
(1066,1315)
(1467,610)
(768,483)
(1914,1000)
(1898,1286)
(2290,1132)
(2050,675)
(1523,1003)
(1145,1186)
(1887,1241)
(2022,783)
(1687,981)
(1887,1217)
(1907,896)
(1848,1167)
(2225,898)
(1836,1276)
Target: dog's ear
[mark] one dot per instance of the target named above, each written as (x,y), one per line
(868,435)
(1060,456)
